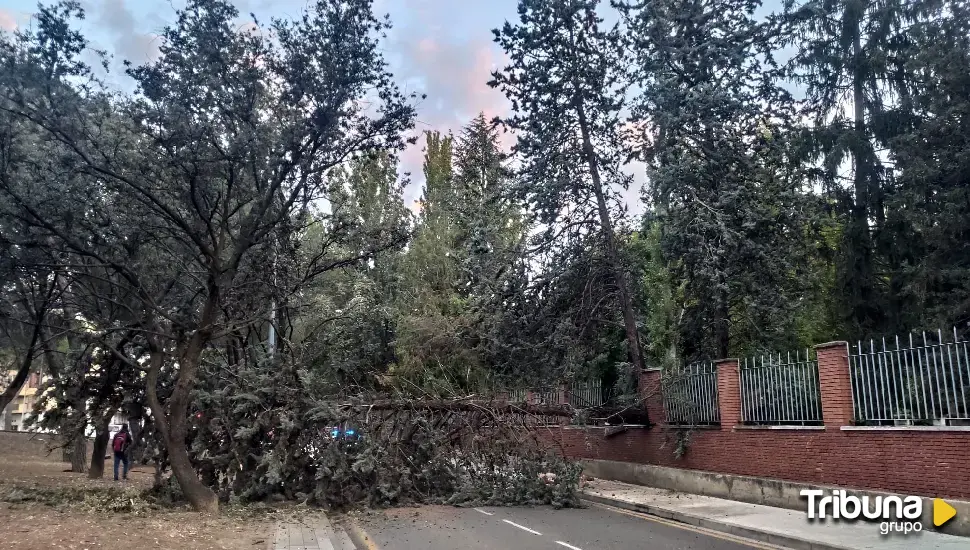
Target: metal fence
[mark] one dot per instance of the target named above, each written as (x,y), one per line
(922,379)
(580,395)
(583,395)
(690,395)
(780,390)
(547,395)
(517,395)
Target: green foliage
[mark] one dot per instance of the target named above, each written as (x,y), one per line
(901,65)
(713,124)
(102,500)
(260,439)
(662,298)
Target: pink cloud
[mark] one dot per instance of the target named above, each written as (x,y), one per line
(487,99)
(427,46)
(454,75)
(7,21)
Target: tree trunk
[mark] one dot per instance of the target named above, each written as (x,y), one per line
(722,327)
(201,497)
(860,275)
(96,471)
(23,372)
(173,426)
(626,303)
(79,453)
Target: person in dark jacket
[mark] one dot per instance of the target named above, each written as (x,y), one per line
(120,445)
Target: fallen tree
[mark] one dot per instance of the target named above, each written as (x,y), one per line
(255,441)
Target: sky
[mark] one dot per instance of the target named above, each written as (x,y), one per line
(442,48)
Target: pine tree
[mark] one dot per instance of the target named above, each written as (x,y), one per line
(846,52)
(567,93)
(490,224)
(710,124)
(927,222)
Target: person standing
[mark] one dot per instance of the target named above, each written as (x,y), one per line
(120,445)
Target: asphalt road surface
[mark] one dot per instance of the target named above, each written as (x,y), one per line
(593,528)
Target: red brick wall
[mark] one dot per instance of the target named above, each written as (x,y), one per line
(834,385)
(729,391)
(932,463)
(935,464)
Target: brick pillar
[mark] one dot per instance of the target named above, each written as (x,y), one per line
(729,392)
(652,395)
(834,384)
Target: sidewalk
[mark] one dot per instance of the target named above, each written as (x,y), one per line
(311,534)
(790,528)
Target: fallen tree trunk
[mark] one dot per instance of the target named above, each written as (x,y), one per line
(461,405)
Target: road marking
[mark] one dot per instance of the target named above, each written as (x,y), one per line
(483,512)
(688,527)
(570,546)
(522,527)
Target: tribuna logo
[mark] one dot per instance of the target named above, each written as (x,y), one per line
(896,514)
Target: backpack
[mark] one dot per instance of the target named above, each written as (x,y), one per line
(119,442)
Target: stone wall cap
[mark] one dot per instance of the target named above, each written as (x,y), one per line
(837,343)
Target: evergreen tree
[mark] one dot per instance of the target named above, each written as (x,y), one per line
(490,222)
(432,345)
(926,235)
(346,326)
(844,61)
(710,122)
(565,85)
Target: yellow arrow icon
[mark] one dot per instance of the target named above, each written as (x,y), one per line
(942,512)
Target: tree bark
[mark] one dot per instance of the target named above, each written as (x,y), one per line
(96,471)
(23,372)
(626,303)
(173,426)
(722,327)
(79,443)
(858,238)
(79,453)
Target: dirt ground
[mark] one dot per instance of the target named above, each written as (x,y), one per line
(30,525)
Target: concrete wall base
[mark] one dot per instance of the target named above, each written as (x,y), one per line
(754,490)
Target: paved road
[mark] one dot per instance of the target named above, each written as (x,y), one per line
(593,528)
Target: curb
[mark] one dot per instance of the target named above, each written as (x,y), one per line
(769,537)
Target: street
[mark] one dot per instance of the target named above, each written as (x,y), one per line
(593,528)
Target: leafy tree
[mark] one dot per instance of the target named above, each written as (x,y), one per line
(185,189)
(347,325)
(434,324)
(490,221)
(843,61)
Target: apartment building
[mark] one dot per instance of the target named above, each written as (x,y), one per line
(14,416)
